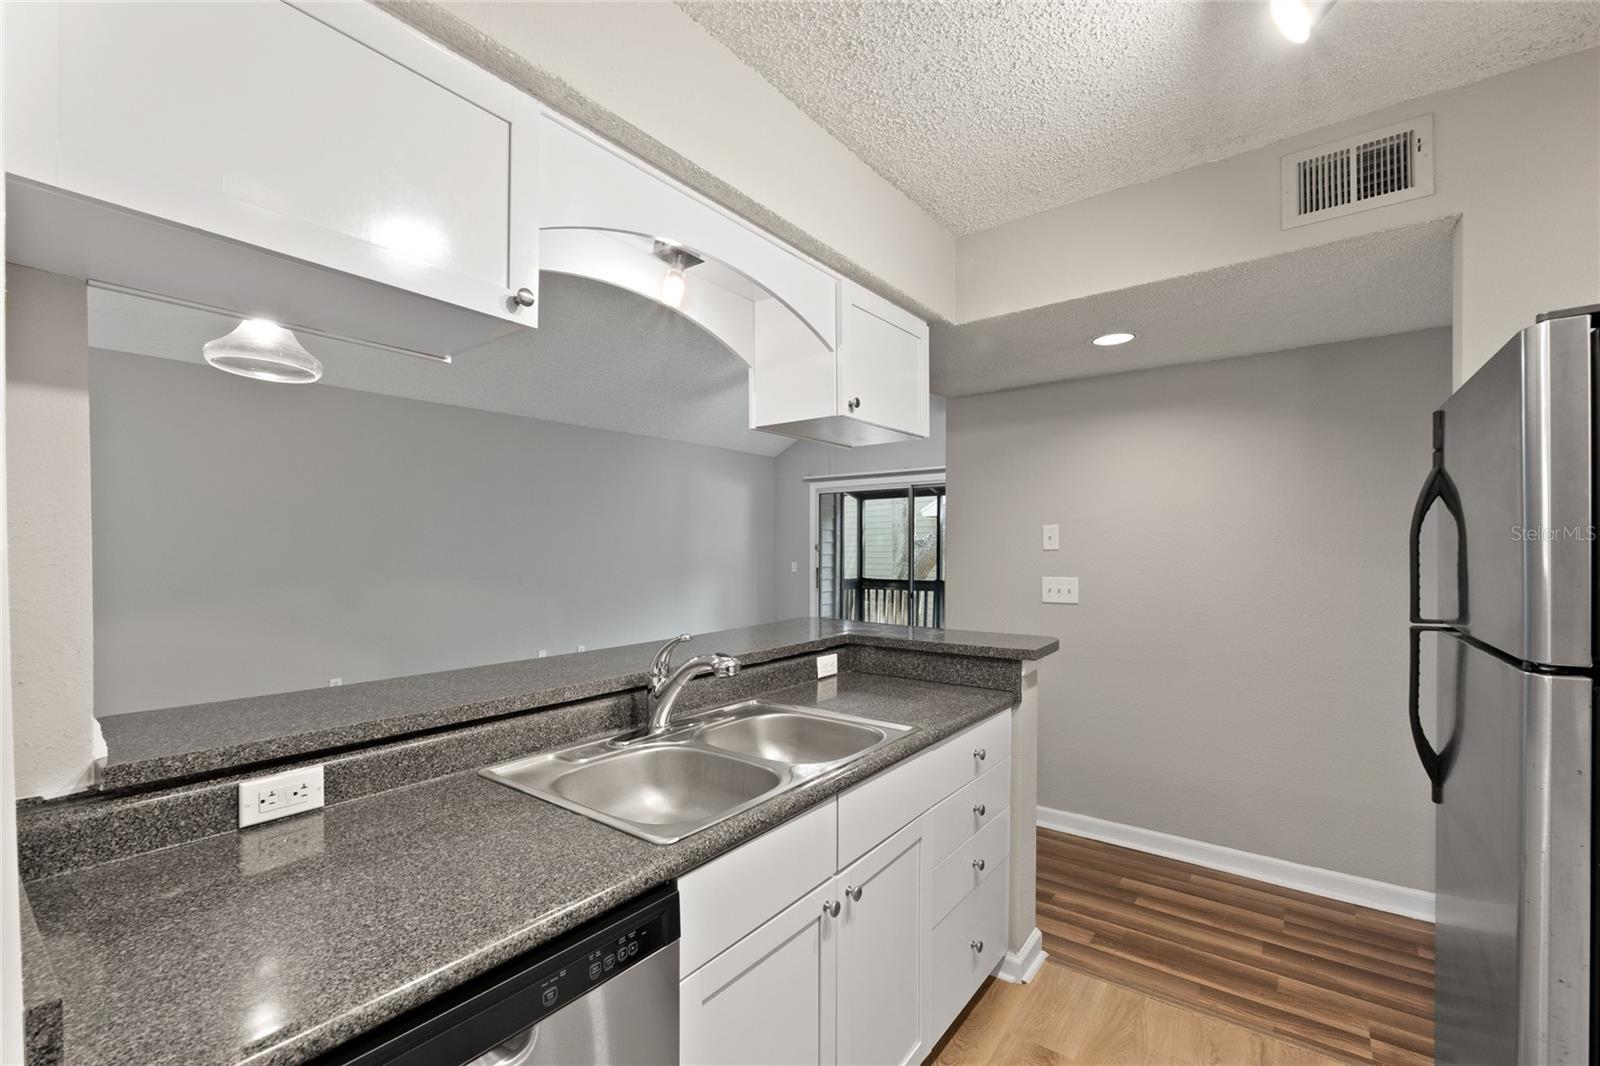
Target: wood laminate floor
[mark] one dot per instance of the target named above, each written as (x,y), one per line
(1157,962)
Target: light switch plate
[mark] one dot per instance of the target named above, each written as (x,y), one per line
(1052,538)
(1059,590)
(261,799)
(828,665)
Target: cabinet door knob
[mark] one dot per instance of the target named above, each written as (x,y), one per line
(980,753)
(830,908)
(977,864)
(980,809)
(977,945)
(522,298)
(855,403)
(854,892)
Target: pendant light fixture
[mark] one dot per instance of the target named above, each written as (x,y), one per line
(674,285)
(263,350)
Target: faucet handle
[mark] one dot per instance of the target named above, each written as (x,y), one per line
(663,659)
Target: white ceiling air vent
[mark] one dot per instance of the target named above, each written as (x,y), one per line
(1371,169)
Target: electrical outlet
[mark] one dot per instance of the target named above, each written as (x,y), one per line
(262,799)
(794,568)
(1052,538)
(335,682)
(828,665)
(1059,590)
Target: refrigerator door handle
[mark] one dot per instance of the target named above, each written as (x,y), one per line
(1438,488)
(1432,763)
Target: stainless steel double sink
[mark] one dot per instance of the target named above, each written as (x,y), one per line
(710,767)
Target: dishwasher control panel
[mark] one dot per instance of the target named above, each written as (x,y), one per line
(602,960)
(491,1017)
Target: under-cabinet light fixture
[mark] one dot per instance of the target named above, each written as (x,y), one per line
(674,285)
(261,349)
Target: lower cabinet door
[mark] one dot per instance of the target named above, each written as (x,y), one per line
(881,954)
(771,997)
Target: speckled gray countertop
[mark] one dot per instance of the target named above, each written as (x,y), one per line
(277,943)
(180,742)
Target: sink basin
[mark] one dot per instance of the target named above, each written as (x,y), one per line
(791,737)
(665,786)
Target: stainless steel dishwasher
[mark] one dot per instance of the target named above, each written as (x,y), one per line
(604,993)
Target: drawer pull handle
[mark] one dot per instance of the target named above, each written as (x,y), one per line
(521,298)
(980,809)
(830,908)
(980,753)
(854,892)
(977,945)
(977,864)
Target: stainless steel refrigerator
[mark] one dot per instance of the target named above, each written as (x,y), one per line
(1511,758)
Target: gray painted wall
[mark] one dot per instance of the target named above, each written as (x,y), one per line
(805,459)
(1235,672)
(252,538)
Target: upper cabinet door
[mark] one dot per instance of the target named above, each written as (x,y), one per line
(326,132)
(883,363)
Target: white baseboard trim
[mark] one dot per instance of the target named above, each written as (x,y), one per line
(1020,967)
(1362,891)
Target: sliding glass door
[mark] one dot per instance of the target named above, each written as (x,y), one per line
(880,554)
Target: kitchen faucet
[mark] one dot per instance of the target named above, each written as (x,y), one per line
(666,684)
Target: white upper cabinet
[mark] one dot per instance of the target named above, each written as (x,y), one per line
(329,133)
(872,389)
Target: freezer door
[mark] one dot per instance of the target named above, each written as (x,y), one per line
(1513,862)
(1518,447)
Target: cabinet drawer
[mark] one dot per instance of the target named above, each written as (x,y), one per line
(974,861)
(734,893)
(967,947)
(874,809)
(956,818)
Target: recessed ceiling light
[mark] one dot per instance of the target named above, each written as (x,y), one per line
(1111,340)
(1297,18)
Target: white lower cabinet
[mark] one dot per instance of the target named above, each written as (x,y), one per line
(771,997)
(869,966)
(967,946)
(881,953)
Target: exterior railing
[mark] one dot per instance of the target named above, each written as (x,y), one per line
(870,599)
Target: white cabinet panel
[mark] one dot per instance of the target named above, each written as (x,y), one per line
(959,816)
(586,184)
(329,133)
(733,894)
(872,810)
(974,861)
(883,363)
(770,998)
(967,947)
(880,954)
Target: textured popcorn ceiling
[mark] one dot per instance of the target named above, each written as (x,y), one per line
(987,112)
(1393,281)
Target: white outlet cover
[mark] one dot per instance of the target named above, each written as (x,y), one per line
(828,665)
(254,808)
(1052,538)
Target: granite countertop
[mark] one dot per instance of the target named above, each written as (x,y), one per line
(41,994)
(274,944)
(175,743)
